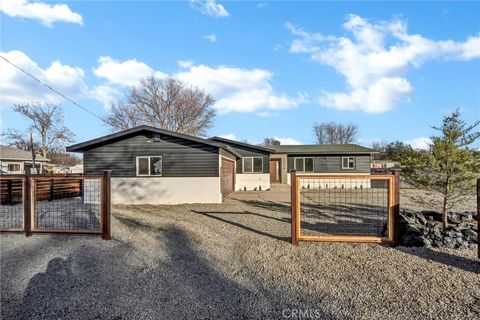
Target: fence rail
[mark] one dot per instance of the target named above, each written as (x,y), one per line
(346,208)
(59,203)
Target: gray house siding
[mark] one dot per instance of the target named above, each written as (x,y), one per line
(333,163)
(181,157)
(247,152)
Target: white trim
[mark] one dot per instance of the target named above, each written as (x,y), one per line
(348,162)
(149,166)
(253,165)
(295,163)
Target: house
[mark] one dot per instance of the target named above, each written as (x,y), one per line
(253,166)
(151,165)
(156,166)
(16,161)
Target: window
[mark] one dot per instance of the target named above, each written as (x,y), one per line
(13,167)
(304,164)
(149,166)
(252,165)
(348,162)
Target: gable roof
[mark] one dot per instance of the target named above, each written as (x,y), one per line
(83,146)
(323,149)
(243,144)
(9,153)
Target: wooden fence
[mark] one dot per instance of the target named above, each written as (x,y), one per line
(478,218)
(56,203)
(345,208)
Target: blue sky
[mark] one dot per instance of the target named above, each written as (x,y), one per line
(275,68)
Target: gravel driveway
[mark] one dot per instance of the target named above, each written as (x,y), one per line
(227,261)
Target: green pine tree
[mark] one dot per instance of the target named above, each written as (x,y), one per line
(451,166)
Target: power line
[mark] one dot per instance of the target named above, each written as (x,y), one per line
(50,88)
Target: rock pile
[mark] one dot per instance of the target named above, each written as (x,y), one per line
(425,228)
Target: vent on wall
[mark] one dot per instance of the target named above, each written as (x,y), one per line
(156,137)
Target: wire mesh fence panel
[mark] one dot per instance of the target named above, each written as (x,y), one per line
(67,204)
(11,203)
(343,207)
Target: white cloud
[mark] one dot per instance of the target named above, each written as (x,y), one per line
(126,73)
(209,8)
(287,141)
(234,89)
(47,14)
(374,59)
(229,136)
(210,37)
(17,87)
(105,94)
(420,143)
(185,64)
(237,89)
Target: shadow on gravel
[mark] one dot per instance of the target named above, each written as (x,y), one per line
(210,214)
(470,265)
(169,279)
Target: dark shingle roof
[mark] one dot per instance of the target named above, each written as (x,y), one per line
(81,147)
(243,144)
(9,153)
(322,149)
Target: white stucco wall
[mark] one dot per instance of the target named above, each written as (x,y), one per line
(166,190)
(252,181)
(333,183)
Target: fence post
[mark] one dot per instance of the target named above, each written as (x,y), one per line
(27,204)
(478,218)
(50,198)
(106,204)
(396,206)
(293,202)
(9,192)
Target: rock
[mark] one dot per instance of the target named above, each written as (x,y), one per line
(432,215)
(421,218)
(413,238)
(449,242)
(465,216)
(470,235)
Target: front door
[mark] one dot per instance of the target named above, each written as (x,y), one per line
(274,171)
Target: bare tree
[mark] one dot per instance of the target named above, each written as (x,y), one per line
(335,133)
(46,123)
(163,103)
(270,142)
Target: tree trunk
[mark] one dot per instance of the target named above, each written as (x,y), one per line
(446,191)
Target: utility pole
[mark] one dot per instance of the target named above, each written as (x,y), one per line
(32,147)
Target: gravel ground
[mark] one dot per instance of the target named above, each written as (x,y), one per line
(228,261)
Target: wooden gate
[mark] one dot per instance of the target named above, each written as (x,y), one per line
(227,177)
(344,208)
(59,203)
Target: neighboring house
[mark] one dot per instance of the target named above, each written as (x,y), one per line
(16,161)
(156,166)
(383,164)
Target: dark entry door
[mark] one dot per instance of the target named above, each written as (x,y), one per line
(274,171)
(227,177)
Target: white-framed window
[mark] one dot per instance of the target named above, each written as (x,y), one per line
(303,164)
(252,164)
(149,166)
(13,167)
(348,163)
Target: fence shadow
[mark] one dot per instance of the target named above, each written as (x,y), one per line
(467,264)
(185,284)
(212,215)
